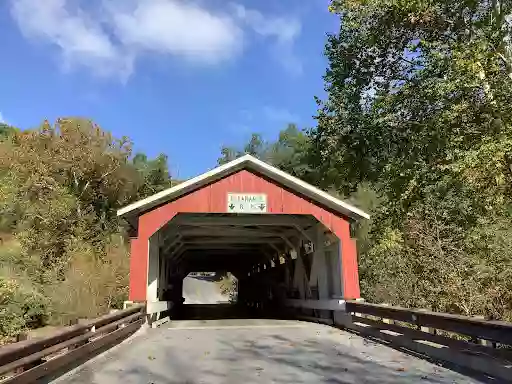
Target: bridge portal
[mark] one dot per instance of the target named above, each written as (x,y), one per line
(286,241)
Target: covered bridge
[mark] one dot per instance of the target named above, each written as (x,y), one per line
(282,238)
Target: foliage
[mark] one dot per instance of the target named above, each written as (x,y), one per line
(154,173)
(91,285)
(60,187)
(412,87)
(6,131)
(419,109)
(288,152)
(21,306)
(229,287)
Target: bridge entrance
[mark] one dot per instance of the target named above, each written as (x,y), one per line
(287,242)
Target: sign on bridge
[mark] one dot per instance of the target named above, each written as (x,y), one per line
(247,203)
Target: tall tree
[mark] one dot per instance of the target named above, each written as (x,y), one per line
(419,106)
(288,152)
(154,173)
(414,86)
(256,147)
(66,181)
(60,187)
(6,130)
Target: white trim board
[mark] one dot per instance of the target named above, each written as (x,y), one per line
(250,163)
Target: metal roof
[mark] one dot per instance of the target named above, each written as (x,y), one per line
(250,163)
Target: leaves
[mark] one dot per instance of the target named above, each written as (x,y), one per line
(419,111)
(288,152)
(60,187)
(154,174)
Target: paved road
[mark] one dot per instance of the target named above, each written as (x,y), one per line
(201,291)
(256,351)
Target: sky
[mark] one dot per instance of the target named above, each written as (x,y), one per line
(180,77)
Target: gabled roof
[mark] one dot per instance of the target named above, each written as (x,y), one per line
(250,163)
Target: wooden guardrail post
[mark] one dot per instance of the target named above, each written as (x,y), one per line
(360,300)
(484,342)
(387,321)
(423,328)
(21,337)
(24,337)
(72,322)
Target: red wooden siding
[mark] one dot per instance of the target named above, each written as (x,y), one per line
(213,199)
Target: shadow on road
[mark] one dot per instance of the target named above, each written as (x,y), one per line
(306,355)
(218,312)
(302,360)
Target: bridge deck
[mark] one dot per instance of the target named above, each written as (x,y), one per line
(256,351)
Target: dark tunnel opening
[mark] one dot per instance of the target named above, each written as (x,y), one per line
(269,256)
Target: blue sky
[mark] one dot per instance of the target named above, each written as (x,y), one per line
(176,76)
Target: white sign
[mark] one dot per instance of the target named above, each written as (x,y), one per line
(247,202)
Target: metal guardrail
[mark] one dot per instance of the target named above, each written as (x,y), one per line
(27,361)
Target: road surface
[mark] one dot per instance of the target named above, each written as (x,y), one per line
(256,351)
(202,291)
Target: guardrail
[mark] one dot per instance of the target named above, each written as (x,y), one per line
(479,345)
(27,361)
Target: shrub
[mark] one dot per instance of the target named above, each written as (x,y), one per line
(93,284)
(21,307)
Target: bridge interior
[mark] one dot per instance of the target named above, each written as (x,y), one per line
(274,258)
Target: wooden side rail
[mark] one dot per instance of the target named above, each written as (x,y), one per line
(496,331)
(473,343)
(27,361)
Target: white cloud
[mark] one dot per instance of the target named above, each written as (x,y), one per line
(108,36)
(81,39)
(280,115)
(2,120)
(175,27)
(284,30)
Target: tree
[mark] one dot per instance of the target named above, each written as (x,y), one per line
(256,147)
(154,173)
(66,181)
(60,187)
(6,130)
(414,87)
(419,108)
(288,152)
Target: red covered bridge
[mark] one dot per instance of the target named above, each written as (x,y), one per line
(281,237)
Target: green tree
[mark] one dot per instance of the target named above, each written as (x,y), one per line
(65,181)
(256,147)
(419,108)
(6,130)
(289,152)
(414,88)
(60,187)
(154,173)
